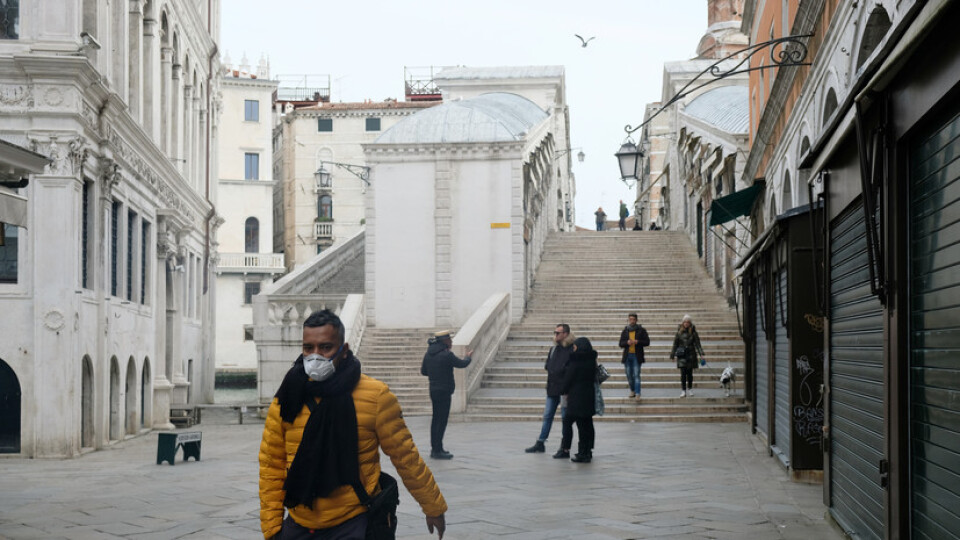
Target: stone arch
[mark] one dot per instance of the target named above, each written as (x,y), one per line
(10,410)
(87,391)
(786,197)
(146,394)
(830,105)
(772,206)
(115,419)
(876,28)
(130,401)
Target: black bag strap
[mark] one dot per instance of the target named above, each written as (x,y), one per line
(362,494)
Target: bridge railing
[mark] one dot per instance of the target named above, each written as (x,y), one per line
(484,333)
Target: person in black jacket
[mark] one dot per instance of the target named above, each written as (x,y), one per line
(633,339)
(555,366)
(578,386)
(438,364)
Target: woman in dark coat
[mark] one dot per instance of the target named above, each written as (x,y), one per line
(578,386)
(688,341)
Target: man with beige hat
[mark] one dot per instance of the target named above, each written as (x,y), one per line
(438,364)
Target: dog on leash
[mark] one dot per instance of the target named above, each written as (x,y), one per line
(727,379)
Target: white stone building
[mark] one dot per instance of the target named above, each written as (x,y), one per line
(463,196)
(316,216)
(245,203)
(106,303)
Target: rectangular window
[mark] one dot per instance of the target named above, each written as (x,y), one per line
(373,124)
(248,332)
(85,227)
(144,259)
(251,110)
(131,244)
(251,166)
(325,124)
(250,289)
(8,253)
(115,248)
(10,19)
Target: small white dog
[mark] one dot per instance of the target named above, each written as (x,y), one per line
(727,379)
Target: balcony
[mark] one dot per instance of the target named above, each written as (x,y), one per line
(324,230)
(251,263)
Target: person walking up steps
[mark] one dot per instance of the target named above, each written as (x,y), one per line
(633,339)
(601,218)
(623,215)
(688,352)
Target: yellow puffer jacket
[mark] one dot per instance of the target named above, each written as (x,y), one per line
(379,425)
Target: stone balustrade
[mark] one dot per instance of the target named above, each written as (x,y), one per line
(324,229)
(267,263)
(484,333)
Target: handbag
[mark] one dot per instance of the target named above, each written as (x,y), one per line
(602,373)
(681,352)
(381,509)
(598,399)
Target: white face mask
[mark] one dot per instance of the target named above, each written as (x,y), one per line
(319,368)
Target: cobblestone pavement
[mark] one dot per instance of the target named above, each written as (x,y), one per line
(663,481)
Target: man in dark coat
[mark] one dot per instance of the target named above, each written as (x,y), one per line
(438,364)
(578,386)
(555,365)
(633,339)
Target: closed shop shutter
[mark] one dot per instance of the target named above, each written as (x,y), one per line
(781,370)
(763,374)
(935,333)
(856,381)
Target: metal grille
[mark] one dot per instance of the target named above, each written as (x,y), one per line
(131,243)
(781,370)
(144,257)
(856,381)
(114,247)
(84,236)
(763,372)
(935,333)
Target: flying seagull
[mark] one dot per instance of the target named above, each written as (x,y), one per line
(584,41)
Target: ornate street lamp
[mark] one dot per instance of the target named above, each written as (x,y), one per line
(629,158)
(323,175)
(580,154)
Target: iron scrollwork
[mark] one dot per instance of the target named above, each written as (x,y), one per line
(789,51)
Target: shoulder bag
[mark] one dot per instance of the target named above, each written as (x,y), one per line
(602,373)
(381,509)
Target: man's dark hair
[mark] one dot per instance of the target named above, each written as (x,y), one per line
(634,315)
(323,318)
(565,326)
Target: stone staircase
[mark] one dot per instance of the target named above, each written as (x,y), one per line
(591,281)
(394,356)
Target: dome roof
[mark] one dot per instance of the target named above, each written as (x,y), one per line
(494,117)
(726,107)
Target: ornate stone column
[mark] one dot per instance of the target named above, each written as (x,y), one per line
(162,387)
(186,163)
(175,316)
(166,57)
(150,108)
(135,65)
(176,123)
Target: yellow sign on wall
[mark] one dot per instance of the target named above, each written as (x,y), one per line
(499,225)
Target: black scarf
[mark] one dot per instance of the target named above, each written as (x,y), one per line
(327,456)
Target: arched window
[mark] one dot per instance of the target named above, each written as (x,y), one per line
(787,196)
(251,242)
(325,207)
(829,105)
(804,146)
(876,28)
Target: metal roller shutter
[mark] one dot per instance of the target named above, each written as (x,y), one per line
(935,333)
(763,374)
(856,381)
(781,370)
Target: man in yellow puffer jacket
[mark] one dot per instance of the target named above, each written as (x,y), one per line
(309,461)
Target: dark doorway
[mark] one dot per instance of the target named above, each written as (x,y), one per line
(9,410)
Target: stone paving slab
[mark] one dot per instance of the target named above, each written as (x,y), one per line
(658,481)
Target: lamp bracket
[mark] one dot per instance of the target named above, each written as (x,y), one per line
(360,171)
(789,51)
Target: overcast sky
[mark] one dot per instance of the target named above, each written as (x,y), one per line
(364,47)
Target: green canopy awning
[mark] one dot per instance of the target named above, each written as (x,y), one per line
(735,205)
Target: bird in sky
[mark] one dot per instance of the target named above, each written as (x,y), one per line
(584,41)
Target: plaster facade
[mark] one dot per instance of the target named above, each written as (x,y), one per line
(313,216)
(106,313)
(247,263)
